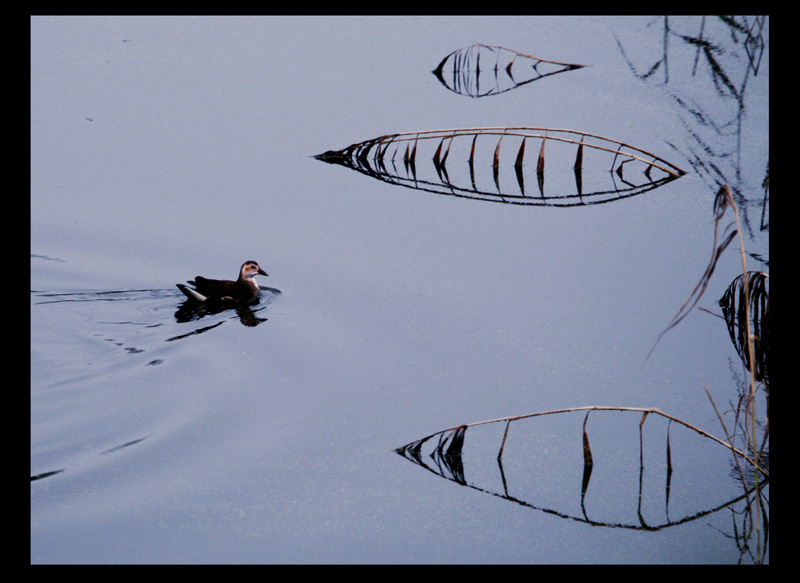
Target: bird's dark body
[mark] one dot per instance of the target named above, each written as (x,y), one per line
(242,291)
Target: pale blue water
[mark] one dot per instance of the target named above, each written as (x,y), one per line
(165,148)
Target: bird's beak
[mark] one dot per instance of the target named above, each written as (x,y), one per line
(261,271)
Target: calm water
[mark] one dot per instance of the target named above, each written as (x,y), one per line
(164,148)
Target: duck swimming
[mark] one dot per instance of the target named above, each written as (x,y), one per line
(242,291)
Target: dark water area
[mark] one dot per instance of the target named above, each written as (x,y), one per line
(511,212)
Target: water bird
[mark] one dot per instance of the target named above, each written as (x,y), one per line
(242,291)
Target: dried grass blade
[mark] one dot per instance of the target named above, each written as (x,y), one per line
(579,156)
(540,165)
(520,154)
(511,64)
(720,204)
(641,439)
(472,150)
(520,178)
(503,445)
(653,410)
(669,451)
(447,151)
(437,154)
(587,451)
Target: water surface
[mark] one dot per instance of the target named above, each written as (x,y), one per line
(165,148)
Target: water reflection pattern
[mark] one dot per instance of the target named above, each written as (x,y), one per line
(480,70)
(114,333)
(149,303)
(636,463)
(712,100)
(190,311)
(489,164)
(738,304)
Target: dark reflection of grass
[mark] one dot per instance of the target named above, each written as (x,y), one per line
(447,463)
(481,70)
(453,162)
(750,460)
(45,475)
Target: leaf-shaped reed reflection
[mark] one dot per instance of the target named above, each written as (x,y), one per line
(480,70)
(734,304)
(644,465)
(582,168)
